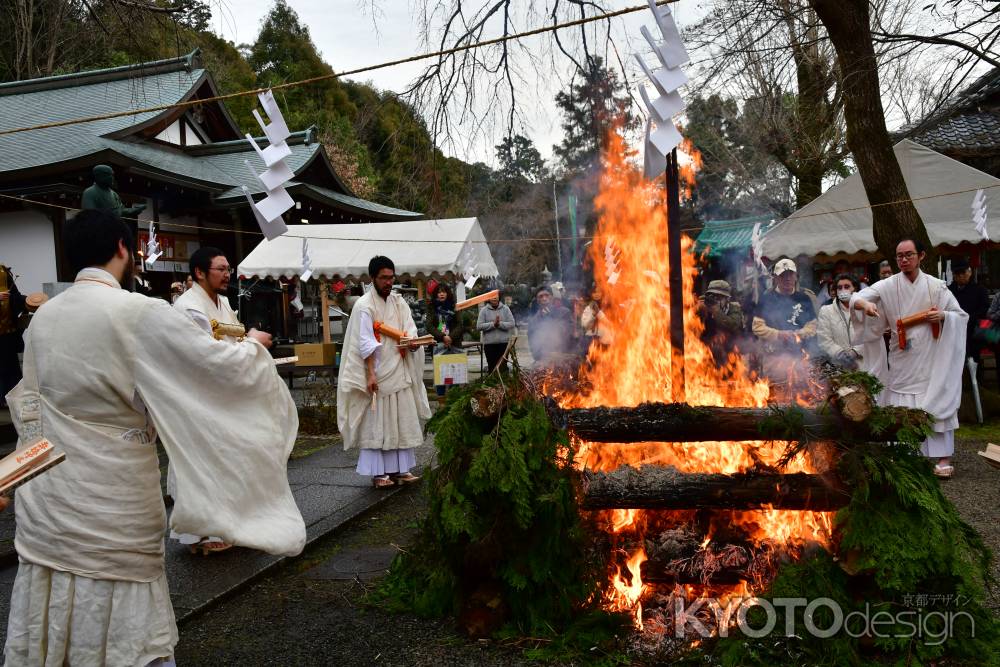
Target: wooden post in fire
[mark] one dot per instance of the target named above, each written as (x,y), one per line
(676,279)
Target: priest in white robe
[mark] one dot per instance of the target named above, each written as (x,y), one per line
(105,371)
(205,303)
(381,398)
(927,372)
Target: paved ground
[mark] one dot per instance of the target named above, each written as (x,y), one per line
(328,494)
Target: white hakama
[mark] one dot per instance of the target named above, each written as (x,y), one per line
(387,431)
(378,462)
(938,444)
(110,622)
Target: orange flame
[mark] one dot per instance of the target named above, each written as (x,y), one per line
(627,595)
(631,266)
(688,168)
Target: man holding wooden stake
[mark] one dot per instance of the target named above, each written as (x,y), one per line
(381,399)
(927,348)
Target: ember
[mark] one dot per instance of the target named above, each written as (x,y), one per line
(716,551)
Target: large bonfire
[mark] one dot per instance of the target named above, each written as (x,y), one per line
(631,266)
(506,545)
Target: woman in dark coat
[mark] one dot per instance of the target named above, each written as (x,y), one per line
(445,324)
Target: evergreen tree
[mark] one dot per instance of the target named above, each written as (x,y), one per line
(519,160)
(737,177)
(591,107)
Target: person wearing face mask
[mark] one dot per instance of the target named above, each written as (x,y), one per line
(835,331)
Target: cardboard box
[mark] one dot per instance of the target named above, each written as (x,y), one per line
(451,369)
(316,354)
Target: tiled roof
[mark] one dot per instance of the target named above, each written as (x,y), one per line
(967,133)
(218,167)
(232,164)
(969,123)
(35,148)
(361,205)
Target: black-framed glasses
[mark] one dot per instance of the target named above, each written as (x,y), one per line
(228,269)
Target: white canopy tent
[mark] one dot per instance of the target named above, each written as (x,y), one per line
(840,222)
(418,248)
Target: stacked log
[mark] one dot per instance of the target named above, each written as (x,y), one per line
(680,422)
(664,487)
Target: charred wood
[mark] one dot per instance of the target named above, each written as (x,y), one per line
(664,487)
(679,422)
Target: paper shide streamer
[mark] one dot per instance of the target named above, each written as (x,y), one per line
(268,211)
(662,136)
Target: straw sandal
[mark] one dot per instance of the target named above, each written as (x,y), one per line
(406,478)
(382,482)
(944,472)
(206,548)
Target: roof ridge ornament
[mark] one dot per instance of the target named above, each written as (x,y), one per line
(185,63)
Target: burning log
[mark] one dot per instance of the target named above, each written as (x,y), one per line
(680,422)
(664,487)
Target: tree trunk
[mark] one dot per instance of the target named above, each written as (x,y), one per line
(680,422)
(663,487)
(847,24)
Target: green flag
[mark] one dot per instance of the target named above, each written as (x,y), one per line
(572,223)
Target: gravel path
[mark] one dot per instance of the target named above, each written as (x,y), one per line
(292,618)
(975,490)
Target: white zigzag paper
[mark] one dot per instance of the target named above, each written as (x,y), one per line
(979,214)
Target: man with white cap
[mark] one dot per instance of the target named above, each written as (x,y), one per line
(785,323)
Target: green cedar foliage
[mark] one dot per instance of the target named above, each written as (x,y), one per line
(898,538)
(503,523)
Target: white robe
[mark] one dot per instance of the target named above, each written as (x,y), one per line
(401,406)
(202,309)
(104,370)
(928,374)
(836,330)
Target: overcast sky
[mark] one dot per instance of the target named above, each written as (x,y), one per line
(348,37)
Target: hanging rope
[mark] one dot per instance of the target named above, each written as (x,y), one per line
(230,230)
(335,75)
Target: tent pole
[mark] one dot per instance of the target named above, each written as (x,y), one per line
(324,296)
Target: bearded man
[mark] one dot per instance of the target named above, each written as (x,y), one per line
(105,371)
(381,399)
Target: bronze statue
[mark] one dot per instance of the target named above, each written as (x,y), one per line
(100,196)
